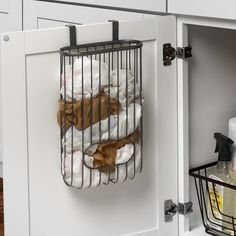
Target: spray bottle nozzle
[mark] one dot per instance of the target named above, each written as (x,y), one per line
(223,146)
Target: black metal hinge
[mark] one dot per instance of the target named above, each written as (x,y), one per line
(170,53)
(170,209)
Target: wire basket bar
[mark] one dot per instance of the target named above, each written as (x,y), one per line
(101,112)
(215,220)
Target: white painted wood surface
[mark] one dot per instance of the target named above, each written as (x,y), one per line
(152,232)
(4,6)
(149,5)
(167,124)
(10,15)
(10,20)
(183,126)
(197,231)
(15,152)
(207,8)
(38,15)
(42,197)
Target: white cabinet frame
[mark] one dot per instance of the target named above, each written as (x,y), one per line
(206,8)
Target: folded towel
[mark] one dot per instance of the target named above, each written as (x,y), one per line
(123,87)
(119,84)
(84,72)
(114,127)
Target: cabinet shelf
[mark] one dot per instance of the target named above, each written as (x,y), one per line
(196,231)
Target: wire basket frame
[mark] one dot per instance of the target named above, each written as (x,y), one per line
(100,112)
(216,220)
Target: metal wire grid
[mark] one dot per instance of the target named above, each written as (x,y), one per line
(223,225)
(118,55)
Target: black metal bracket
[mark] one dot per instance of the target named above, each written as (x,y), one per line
(170,53)
(185,208)
(72,29)
(115,30)
(184,52)
(170,209)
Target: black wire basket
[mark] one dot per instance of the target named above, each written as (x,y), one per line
(218,214)
(100,112)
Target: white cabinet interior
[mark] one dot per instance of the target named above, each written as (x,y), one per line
(212,97)
(135,207)
(206,100)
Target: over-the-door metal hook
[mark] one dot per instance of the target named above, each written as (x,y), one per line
(115,30)
(72,35)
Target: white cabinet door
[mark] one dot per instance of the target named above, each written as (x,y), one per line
(140,5)
(208,8)
(38,15)
(10,15)
(37,202)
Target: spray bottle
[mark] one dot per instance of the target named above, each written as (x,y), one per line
(232,135)
(221,198)
(232,170)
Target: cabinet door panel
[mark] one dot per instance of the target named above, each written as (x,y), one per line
(208,8)
(10,15)
(4,6)
(134,207)
(48,23)
(37,13)
(149,5)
